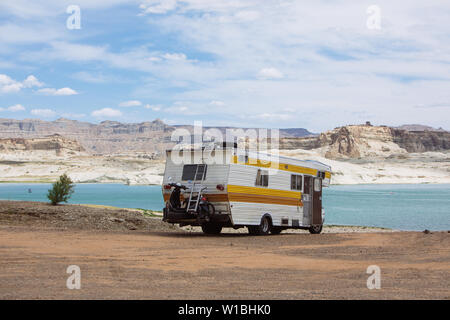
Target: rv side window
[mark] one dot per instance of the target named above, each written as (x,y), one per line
(190,169)
(317,185)
(262,178)
(296,182)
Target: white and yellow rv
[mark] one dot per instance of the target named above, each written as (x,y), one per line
(243,189)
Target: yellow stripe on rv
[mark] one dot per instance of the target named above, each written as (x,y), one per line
(280,166)
(264,191)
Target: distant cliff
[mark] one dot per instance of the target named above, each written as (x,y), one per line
(422,141)
(109,136)
(50,145)
(360,141)
(104,138)
(418,127)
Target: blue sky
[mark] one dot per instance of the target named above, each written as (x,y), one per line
(273,63)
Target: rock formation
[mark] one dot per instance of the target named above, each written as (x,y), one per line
(108,137)
(104,138)
(51,145)
(362,141)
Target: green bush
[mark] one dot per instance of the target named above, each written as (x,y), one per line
(62,190)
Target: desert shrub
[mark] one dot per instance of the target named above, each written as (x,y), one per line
(62,190)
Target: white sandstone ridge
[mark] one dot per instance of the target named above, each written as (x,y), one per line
(39,148)
(370,142)
(361,154)
(87,169)
(427,167)
(357,154)
(45,159)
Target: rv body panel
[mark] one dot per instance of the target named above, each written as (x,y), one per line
(244,198)
(249,202)
(216,174)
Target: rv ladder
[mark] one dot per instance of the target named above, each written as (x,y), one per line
(193,202)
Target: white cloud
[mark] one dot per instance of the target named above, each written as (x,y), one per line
(215,6)
(272,116)
(130,103)
(177,109)
(175,56)
(12,87)
(106,112)
(324,63)
(15,108)
(46,113)
(332,63)
(89,77)
(32,81)
(9,85)
(217,103)
(154,108)
(270,73)
(247,15)
(154,59)
(158,6)
(58,92)
(71,115)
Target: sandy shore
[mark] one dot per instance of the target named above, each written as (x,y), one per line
(108,218)
(326,229)
(126,254)
(176,265)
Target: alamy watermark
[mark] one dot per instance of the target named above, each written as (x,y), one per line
(73,22)
(74,280)
(374,280)
(374,19)
(201,146)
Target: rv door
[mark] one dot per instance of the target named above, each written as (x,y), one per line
(317,202)
(307,200)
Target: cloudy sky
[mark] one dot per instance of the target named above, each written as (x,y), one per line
(260,63)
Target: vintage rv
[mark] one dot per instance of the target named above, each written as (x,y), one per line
(243,189)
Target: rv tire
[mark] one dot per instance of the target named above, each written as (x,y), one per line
(263,228)
(276,230)
(315,229)
(211,228)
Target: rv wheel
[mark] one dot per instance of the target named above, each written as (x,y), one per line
(316,229)
(211,228)
(276,230)
(263,228)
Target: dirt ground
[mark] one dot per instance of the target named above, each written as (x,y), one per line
(154,261)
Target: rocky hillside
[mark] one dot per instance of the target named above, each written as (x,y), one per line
(54,145)
(104,138)
(362,141)
(418,127)
(108,137)
(422,141)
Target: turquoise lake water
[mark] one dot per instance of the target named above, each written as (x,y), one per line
(403,207)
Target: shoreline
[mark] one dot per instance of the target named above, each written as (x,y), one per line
(155,214)
(136,184)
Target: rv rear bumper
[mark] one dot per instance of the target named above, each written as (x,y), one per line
(192,219)
(176,217)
